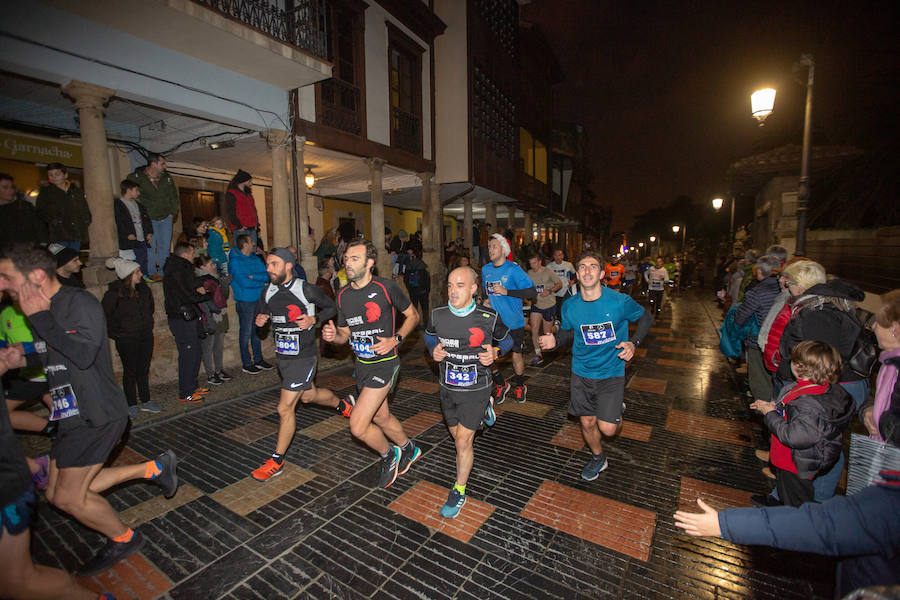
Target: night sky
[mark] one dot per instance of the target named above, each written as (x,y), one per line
(663,88)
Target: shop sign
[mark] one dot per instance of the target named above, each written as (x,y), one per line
(18,146)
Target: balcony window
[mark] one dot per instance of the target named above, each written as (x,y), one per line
(341,99)
(405,89)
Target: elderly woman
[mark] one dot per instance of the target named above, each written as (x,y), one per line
(882,416)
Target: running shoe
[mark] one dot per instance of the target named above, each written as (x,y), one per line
(407,458)
(201,391)
(215,380)
(42,476)
(152,407)
(454,504)
(269,469)
(168,478)
(252,369)
(389,466)
(264,365)
(499,392)
(345,405)
(490,417)
(538,359)
(156,277)
(762,455)
(191,399)
(519,393)
(110,554)
(224,376)
(147,279)
(133,412)
(595,466)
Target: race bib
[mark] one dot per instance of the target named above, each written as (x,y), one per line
(64,403)
(490,285)
(287,343)
(460,375)
(597,334)
(362,346)
(656,284)
(539,288)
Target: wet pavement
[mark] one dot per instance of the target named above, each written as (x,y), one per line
(532,528)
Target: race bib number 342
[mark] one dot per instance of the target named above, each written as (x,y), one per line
(596,334)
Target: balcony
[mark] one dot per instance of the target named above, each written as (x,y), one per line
(340,106)
(406,131)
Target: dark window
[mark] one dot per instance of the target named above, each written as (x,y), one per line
(405,89)
(341,98)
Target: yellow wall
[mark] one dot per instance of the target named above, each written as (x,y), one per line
(26,176)
(526,150)
(540,161)
(395,218)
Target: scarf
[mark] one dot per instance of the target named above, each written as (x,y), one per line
(884,387)
(462,312)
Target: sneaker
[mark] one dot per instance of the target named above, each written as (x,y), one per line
(201,391)
(42,476)
(110,554)
(133,412)
(156,277)
(454,504)
(264,365)
(595,466)
(762,455)
(147,279)
(152,407)
(168,479)
(269,469)
(224,376)
(490,417)
(389,466)
(191,399)
(768,473)
(538,359)
(764,500)
(252,369)
(519,393)
(345,405)
(499,392)
(215,380)
(408,458)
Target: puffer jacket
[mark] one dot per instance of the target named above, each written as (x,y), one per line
(812,426)
(822,321)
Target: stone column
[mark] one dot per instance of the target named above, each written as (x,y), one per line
(281,206)
(435,261)
(90,101)
(467,223)
(383,263)
(490,215)
(529,234)
(304,243)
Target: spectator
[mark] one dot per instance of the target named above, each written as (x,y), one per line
(160,197)
(19,220)
(757,303)
(133,224)
(181,295)
(199,245)
(128,305)
(326,279)
(476,241)
(398,249)
(748,279)
(418,282)
(484,238)
(215,320)
(299,271)
(218,244)
(882,415)
(327,247)
(807,421)
(68,264)
(248,278)
(61,205)
(240,207)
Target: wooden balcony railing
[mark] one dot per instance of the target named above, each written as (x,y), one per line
(340,106)
(406,131)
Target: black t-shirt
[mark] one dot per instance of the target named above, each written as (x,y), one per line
(288,302)
(15,478)
(463,338)
(370,313)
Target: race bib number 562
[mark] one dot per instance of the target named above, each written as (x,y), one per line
(596,334)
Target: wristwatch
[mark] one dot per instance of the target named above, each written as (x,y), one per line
(636,343)
(399,339)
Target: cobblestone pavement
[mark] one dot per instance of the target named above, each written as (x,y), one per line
(531,529)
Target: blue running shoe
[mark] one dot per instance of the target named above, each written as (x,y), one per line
(407,458)
(595,466)
(490,417)
(389,467)
(454,504)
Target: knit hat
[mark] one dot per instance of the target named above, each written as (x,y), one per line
(65,255)
(241,176)
(504,243)
(123,267)
(284,254)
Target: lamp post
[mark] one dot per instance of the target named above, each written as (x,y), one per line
(762,103)
(652,240)
(717,204)
(676,229)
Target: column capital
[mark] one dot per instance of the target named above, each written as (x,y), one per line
(87,95)
(425,176)
(275,137)
(375,163)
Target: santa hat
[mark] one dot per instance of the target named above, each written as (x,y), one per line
(123,267)
(504,243)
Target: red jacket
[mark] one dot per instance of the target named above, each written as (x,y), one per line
(241,209)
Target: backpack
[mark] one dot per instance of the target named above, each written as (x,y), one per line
(864,354)
(416,278)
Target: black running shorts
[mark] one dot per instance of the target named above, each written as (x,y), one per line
(297,374)
(601,398)
(518,339)
(464,408)
(377,375)
(83,446)
(16,517)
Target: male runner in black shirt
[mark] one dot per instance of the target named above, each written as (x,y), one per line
(295,308)
(71,344)
(461,337)
(367,318)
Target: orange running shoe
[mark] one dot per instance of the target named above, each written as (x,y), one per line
(191,399)
(269,469)
(345,406)
(201,391)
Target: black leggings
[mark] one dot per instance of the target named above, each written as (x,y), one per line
(136,352)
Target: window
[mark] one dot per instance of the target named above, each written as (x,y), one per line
(341,98)
(405,89)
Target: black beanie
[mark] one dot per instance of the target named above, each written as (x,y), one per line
(65,255)
(241,176)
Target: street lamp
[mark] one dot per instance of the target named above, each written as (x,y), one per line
(683,230)
(762,103)
(717,204)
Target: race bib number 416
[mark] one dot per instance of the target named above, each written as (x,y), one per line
(596,334)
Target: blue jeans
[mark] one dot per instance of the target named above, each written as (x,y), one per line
(140,256)
(159,246)
(250,232)
(246,312)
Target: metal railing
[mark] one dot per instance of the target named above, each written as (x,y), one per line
(341,106)
(406,131)
(301,26)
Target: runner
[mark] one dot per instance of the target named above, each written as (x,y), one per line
(367,318)
(565,271)
(506,285)
(295,307)
(615,273)
(657,277)
(461,338)
(71,343)
(597,319)
(630,275)
(543,308)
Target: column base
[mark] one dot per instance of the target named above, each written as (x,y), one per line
(95,273)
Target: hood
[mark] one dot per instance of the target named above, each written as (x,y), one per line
(838,404)
(839,288)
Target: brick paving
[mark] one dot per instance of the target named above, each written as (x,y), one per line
(532,528)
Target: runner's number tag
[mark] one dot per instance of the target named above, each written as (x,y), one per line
(596,334)
(65,404)
(539,288)
(362,346)
(460,375)
(287,343)
(490,285)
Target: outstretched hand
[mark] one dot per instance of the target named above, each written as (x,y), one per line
(704,523)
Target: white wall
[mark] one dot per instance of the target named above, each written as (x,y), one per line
(451,94)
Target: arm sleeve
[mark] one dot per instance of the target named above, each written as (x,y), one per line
(431,342)
(644,322)
(326,309)
(501,336)
(746,308)
(530,292)
(81,343)
(799,430)
(188,286)
(564,337)
(109,301)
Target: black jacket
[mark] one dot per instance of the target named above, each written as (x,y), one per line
(813,428)
(128,316)
(823,322)
(180,286)
(125,226)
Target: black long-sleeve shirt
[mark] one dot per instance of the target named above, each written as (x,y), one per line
(288,302)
